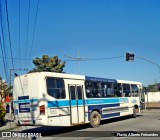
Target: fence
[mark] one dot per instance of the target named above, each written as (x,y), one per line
(152,97)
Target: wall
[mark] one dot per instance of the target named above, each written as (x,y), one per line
(152,97)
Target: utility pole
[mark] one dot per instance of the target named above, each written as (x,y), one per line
(11,70)
(77,59)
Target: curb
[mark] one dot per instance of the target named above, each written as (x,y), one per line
(152,107)
(8,126)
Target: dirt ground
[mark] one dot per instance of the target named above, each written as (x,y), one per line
(157,104)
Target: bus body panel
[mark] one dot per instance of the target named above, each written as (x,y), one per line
(30,93)
(28,96)
(34,106)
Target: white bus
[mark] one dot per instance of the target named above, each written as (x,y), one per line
(58,99)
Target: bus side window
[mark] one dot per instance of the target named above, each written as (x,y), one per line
(107,90)
(93,89)
(110,90)
(79,92)
(126,90)
(72,93)
(88,87)
(55,88)
(104,90)
(118,90)
(99,89)
(134,90)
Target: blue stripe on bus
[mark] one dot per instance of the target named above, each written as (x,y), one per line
(81,102)
(74,102)
(58,103)
(102,101)
(27,100)
(99,107)
(88,102)
(123,100)
(109,100)
(110,115)
(65,103)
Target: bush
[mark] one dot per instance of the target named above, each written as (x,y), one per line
(2,112)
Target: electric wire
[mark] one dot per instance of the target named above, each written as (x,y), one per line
(27,30)
(9,34)
(5,69)
(3,42)
(93,59)
(34,29)
(20,129)
(77,59)
(17,58)
(19,26)
(10,44)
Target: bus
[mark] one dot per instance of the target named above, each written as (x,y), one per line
(60,99)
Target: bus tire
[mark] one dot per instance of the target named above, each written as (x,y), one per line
(134,115)
(95,119)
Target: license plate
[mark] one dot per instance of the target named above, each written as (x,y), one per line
(27,122)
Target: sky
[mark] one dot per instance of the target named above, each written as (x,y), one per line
(91,29)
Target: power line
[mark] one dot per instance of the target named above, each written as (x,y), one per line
(3,47)
(5,69)
(74,58)
(35,23)
(78,59)
(17,58)
(27,29)
(93,59)
(10,44)
(19,40)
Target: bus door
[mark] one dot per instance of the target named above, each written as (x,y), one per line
(142,101)
(76,104)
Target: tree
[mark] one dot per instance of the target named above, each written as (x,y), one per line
(153,87)
(5,89)
(46,63)
(2,114)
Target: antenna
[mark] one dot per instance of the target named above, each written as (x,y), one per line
(78,58)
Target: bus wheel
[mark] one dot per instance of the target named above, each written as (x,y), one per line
(95,119)
(134,113)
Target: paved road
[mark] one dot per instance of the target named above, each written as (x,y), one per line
(147,121)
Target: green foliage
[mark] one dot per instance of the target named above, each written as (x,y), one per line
(2,112)
(5,89)
(153,88)
(49,64)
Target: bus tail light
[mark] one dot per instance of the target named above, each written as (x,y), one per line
(42,109)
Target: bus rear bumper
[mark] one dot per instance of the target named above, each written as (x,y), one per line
(33,122)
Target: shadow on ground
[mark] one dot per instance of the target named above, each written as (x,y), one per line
(76,131)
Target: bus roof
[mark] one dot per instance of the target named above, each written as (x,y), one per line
(56,75)
(82,77)
(129,82)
